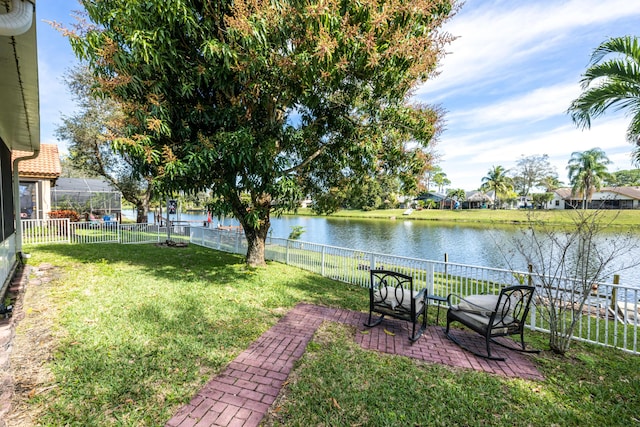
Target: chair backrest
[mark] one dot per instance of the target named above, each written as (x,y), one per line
(388,288)
(513,306)
(390,278)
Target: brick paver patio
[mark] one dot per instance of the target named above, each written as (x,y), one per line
(244,391)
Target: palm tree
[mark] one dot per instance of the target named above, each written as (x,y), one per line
(440,179)
(587,170)
(617,85)
(550,183)
(498,181)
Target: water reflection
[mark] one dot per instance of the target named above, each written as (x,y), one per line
(464,244)
(468,244)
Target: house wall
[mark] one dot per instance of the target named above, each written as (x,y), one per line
(8,258)
(599,200)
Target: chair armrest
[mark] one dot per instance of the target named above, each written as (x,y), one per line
(422,294)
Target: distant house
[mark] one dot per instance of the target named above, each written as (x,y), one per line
(478,200)
(37,177)
(605,198)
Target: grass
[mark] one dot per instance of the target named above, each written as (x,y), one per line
(621,218)
(594,387)
(136,330)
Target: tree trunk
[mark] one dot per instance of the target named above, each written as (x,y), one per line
(141,216)
(256,238)
(255,246)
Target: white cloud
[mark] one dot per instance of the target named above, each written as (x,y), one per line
(466,159)
(538,104)
(495,35)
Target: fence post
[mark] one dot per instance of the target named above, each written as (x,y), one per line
(372,261)
(446,264)
(324,250)
(68,227)
(614,292)
(287,252)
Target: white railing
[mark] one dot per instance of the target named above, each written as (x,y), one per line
(610,316)
(50,231)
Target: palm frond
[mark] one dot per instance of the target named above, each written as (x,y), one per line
(627,46)
(597,100)
(617,70)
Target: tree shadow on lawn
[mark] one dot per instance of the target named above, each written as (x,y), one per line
(198,265)
(151,336)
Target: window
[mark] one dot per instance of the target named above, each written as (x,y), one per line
(7,226)
(28,200)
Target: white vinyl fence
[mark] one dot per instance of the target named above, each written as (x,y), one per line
(50,231)
(610,316)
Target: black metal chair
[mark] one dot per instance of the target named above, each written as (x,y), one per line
(492,316)
(392,294)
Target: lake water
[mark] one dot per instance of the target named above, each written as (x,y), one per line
(464,244)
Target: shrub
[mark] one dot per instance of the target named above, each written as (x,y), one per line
(72,215)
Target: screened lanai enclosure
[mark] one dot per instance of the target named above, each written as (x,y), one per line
(87,197)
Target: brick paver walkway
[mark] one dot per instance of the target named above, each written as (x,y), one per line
(243,392)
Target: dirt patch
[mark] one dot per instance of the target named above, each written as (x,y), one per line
(172,244)
(32,347)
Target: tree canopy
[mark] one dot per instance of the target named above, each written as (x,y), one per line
(612,81)
(90,132)
(532,171)
(267,102)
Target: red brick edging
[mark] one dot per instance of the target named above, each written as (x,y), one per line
(242,394)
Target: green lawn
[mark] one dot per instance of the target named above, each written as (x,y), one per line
(138,329)
(623,218)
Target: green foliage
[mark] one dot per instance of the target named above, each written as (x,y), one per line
(532,171)
(612,80)
(624,177)
(541,199)
(90,133)
(72,215)
(497,181)
(587,172)
(278,100)
(296,232)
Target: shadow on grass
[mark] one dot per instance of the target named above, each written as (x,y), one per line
(145,327)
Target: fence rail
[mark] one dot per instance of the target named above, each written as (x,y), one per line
(50,231)
(610,316)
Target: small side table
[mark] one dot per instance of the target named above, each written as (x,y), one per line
(438,300)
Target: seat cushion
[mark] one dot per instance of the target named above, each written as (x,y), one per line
(479,304)
(397,297)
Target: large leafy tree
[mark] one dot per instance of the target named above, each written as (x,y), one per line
(532,171)
(90,133)
(498,181)
(587,172)
(264,102)
(612,80)
(625,177)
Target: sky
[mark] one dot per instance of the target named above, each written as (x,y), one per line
(505,84)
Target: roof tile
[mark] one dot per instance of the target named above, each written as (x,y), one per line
(46,165)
